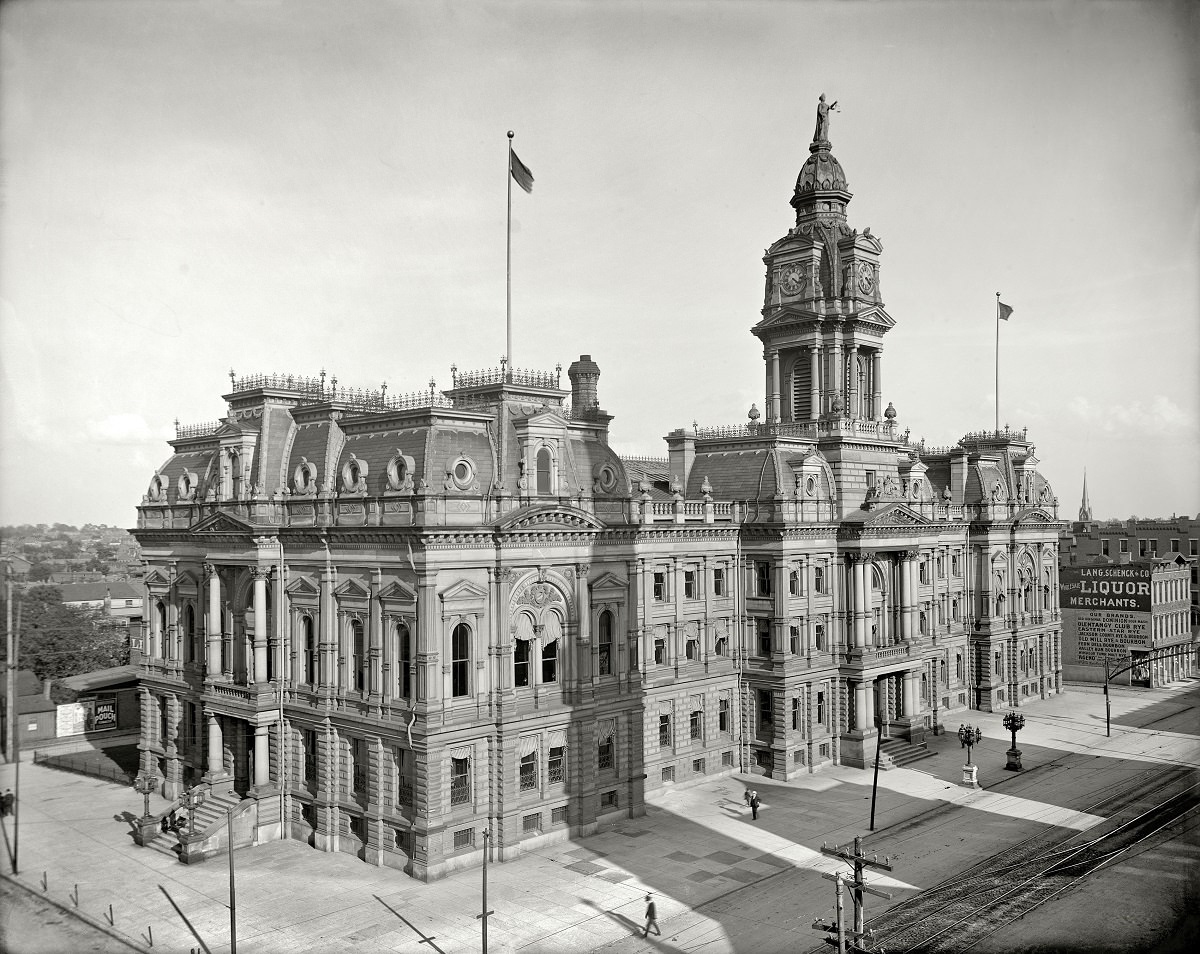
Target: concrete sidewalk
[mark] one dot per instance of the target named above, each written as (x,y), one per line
(721,881)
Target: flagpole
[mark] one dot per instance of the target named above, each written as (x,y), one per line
(508,259)
(997,362)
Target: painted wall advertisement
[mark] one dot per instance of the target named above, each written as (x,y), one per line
(1111,609)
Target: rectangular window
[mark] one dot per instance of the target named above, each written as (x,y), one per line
(696,726)
(531,823)
(954,564)
(1141,548)
(660,652)
(404,789)
(796,713)
(604,755)
(608,800)
(762,577)
(310,757)
(870,478)
(723,715)
(794,583)
(529,772)
(1192,548)
(664,731)
(798,757)
(360,758)
(668,773)
(460,781)
(764,637)
(1124,545)
(558,816)
(698,766)
(819,579)
(556,765)
(464,838)
(819,636)
(660,587)
(1174,546)
(821,707)
(823,750)
(766,708)
(689,584)
(719,578)
(727,759)
(794,640)
(1154,546)
(1104,547)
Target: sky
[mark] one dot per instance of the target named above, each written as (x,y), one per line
(193,186)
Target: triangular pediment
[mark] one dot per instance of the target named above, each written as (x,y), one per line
(894,515)
(303,586)
(233,428)
(543,519)
(221,523)
(156,577)
(398,592)
(464,591)
(352,589)
(610,581)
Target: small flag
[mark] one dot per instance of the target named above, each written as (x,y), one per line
(1005,310)
(520,171)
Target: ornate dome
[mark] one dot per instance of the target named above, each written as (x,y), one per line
(821,172)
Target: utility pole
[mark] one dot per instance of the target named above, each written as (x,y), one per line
(482,918)
(859,936)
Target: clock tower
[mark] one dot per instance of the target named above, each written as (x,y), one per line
(823,319)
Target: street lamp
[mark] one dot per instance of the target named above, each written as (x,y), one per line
(144,785)
(1014,722)
(969,735)
(194,798)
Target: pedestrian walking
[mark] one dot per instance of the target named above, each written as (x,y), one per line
(6,802)
(651,918)
(747,795)
(754,803)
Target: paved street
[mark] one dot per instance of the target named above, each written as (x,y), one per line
(722,881)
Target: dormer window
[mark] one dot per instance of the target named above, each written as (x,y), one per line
(543,472)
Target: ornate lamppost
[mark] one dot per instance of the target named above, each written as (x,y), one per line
(146,827)
(968,735)
(1014,722)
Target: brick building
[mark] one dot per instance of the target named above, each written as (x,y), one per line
(395,622)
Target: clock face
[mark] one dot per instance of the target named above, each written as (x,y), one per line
(866,278)
(791,278)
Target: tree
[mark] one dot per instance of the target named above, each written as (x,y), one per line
(40,572)
(59,640)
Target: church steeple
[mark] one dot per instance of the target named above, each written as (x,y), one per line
(1085,508)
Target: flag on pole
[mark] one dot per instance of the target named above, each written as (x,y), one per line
(520,171)
(1003,313)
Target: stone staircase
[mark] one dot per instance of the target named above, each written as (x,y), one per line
(896,753)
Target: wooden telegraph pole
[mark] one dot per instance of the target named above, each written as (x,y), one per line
(859,937)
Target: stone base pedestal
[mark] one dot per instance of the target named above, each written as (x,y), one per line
(145,829)
(858,748)
(971,776)
(911,730)
(1014,760)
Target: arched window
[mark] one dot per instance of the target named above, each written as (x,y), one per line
(160,620)
(543,471)
(189,634)
(403,660)
(553,629)
(523,650)
(604,629)
(358,656)
(308,644)
(235,475)
(460,661)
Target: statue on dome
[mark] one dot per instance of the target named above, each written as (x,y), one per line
(822,132)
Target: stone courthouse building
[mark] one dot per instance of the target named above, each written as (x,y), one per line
(391,624)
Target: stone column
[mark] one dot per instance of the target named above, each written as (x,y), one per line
(910,694)
(213,624)
(428,674)
(906,595)
(375,635)
(853,407)
(216,746)
(858,571)
(583,671)
(773,412)
(171,649)
(862,707)
(814,364)
(261,624)
(839,374)
(327,632)
(262,757)
(876,385)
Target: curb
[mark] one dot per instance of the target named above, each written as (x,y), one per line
(99,924)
